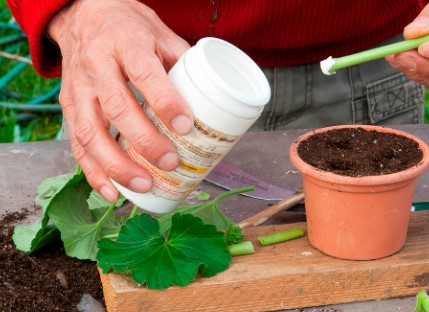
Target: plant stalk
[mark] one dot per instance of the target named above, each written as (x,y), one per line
(422,304)
(107,213)
(133,212)
(243,248)
(280,237)
(371,54)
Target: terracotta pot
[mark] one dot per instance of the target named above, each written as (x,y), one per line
(358,218)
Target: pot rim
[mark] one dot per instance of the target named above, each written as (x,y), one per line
(312,171)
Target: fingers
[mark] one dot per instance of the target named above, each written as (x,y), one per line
(95,140)
(412,64)
(415,64)
(147,73)
(129,43)
(120,107)
(420,26)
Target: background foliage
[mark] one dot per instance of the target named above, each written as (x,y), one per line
(29,109)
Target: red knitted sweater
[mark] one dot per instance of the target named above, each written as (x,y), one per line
(272,32)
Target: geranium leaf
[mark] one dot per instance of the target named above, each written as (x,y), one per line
(80,226)
(28,238)
(96,201)
(142,251)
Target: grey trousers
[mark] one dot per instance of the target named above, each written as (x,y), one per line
(369,93)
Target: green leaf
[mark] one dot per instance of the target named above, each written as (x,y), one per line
(96,201)
(28,238)
(80,226)
(51,186)
(142,251)
(32,237)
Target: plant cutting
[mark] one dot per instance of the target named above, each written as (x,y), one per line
(330,65)
(93,229)
(280,237)
(422,302)
(352,212)
(196,238)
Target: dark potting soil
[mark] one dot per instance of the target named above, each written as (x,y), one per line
(47,281)
(357,152)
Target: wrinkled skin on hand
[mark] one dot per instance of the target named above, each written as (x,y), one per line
(105,44)
(415,63)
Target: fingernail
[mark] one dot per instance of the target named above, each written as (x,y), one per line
(168,161)
(140,185)
(108,194)
(182,124)
(406,62)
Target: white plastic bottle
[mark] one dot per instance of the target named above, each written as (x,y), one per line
(226,91)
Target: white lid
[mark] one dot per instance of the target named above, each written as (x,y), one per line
(226,75)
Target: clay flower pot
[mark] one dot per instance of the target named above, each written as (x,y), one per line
(358,218)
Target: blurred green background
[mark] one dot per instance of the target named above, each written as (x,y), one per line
(29,109)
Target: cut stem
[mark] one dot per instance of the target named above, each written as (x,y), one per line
(243,248)
(422,304)
(280,237)
(330,65)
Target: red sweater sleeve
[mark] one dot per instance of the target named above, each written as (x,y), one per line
(423,3)
(33,17)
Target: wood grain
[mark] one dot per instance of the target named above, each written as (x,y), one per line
(285,276)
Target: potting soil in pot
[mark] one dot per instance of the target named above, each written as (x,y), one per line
(357,152)
(46,281)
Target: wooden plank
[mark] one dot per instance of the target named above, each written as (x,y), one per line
(285,276)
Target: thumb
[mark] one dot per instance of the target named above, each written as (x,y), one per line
(420,26)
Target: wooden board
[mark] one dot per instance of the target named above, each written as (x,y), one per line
(285,276)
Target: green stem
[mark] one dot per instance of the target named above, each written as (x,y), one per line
(216,201)
(111,236)
(280,237)
(243,248)
(422,304)
(376,53)
(232,192)
(107,213)
(133,212)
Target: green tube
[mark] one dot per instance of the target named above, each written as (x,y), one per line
(12,26)
(281,237)
(31,108)
(243,248)
(6,40)
(53,92)
(422,302)
(369,55)
(18,68)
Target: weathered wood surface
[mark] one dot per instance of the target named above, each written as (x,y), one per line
(285,276)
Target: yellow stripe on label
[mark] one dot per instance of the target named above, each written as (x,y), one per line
(189,167)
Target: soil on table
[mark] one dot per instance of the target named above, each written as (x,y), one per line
(358,152)
(47,281)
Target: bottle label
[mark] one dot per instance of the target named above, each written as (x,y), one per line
(199,152)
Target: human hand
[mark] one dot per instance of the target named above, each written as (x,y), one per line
(105,44)
(415,63)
